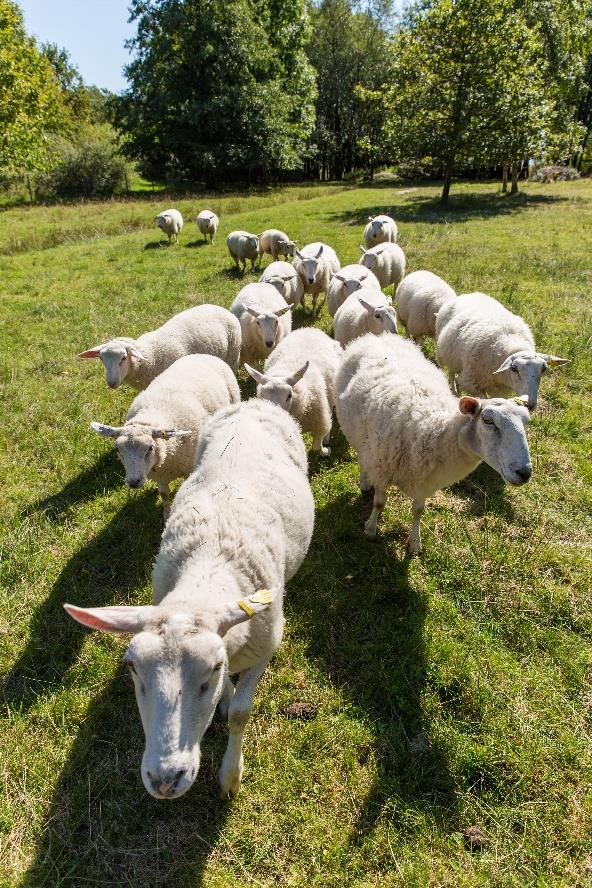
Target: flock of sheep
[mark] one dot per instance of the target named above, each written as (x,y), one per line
(241,523)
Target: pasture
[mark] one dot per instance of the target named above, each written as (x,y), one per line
(412,699)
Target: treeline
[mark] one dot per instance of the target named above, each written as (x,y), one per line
(263,90)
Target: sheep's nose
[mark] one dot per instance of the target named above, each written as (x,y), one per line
(134,482)
(166,784)
(524,472)
(112,383)
(269,343)
(311,280)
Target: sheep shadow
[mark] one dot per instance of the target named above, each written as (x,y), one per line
(104,475)
(196,244)
(156,245)
(485,491)
(238,274)
(363,621)
(104,571)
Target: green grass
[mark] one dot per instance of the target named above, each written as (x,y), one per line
(451,691)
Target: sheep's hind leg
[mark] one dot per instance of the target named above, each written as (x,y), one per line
(165,495)
(378,506)
(239,712)
(225,699)
(414,539)
(365,485)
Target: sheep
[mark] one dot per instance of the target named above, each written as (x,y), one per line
(276,243)
(171,222)
(160,435)
(242,246)
(380,230)
(239,529)
(387,262)
(208,222)
(347,280)
(395,408)
(300,377)
(420,295)
(488,350)
(265,319)
(204,329)
(365,311)
(286,280)
(315,264)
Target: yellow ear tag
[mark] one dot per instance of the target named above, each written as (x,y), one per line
(164,434)
(262,596)
(250,612)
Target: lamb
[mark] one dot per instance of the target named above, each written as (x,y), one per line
(208,222)
(204,329)
(387,262)
(300,377)
(239,530)
(286,280)
(396,409)
(380,230)
(161,433)
(242,246)
(488,350)
(276,243)
(171,222)
(365,311)
(420,295)
(315,264)
(264,317)
(347,280)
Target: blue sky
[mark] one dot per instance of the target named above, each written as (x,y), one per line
(93,32)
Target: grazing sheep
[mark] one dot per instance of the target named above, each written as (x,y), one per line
(160,436)
(365,311)
(286,280)
(387,262)
(420,295)
(239,529)
(380,230)
(300,377)
(316,263)
(171,222)
(395,407)
(208,222)
(276,243)
(242,246)
(264,317)
(347,280)
(491,350)
(205,329)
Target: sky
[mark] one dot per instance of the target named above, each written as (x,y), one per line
(93,32)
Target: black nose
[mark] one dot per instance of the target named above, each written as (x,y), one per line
(268,344)
(524,472)
(311,280)
(134,482)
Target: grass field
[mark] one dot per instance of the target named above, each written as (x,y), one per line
(449,692)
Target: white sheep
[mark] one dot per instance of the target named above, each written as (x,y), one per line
(239,530)
(345,282)
(205,329)
(387,262)
(276,243)
(366,311)
(420,295)
(396,409)
(208,222)
(488,350)
(379,230)
(316,263)
(265,318)
(300,377)
(171,223)
(160,435)
(286,280)
(242,246)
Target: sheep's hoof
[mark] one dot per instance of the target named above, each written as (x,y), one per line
(325,451)
(229,783)
(413,547)
(370,533)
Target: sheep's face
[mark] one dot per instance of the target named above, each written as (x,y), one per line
(376,229)
(280,390)
(350,285)
(252,246)
(286,248)
(522,371)
(268,324)
(138,451)
(382,318)
(496,433)
(117,363)
(369,260)
(310,269)
(280,284)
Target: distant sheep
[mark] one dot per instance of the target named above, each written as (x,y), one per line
(264,317)
(286,280)
(380,230)
(488,350)
(171,223)
(205,329)
(208,222)
(395,408)
(387,262)
(316,263)
(276,243)
(242,246)
(160,436)
(366,311)
(345,282)
(420,295)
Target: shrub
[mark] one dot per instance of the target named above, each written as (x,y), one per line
(555,173)
(87,169)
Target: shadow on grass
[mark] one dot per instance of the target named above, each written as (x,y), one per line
(156,245)
(485,491)
(104,475)
(197,243)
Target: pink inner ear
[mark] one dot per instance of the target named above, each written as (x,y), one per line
(91,353)
(111,619)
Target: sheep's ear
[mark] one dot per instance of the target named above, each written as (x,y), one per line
(106,431)
(389,300)
(91,352)
(282,311)
(504,366)
(113,619)
(296,377)
(237,612)
(363,277)
(339,277)
(370,218)
(252,311)
(521,400)
(259,378)
(287,278)
(553,360)
(367,305)
(363,249)
(299,254)
(469,406)
(319,252)
(171,433)
(133,352)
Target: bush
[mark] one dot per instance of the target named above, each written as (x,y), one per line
(87,169)
(555,173)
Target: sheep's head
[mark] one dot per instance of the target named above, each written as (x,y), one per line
(267,323)
(376,227)
(382,317)
(252,242)
(139,447)
(277,389)
(178,662)
(369,258)
(310,266)
(522,371)
(287,247)
(496,433)
(117,356)
(350,285)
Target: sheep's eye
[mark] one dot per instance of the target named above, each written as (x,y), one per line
(203,688)
(217,667)
(514,368)
(377,316)
(150,449)
(123,360)
(488,421)
(130,666)
(289,398)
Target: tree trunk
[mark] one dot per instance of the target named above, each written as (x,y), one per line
(505,179)
(514,189)
(447,180)
(29,187)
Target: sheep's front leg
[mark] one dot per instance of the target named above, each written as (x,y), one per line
(365,485)
(378,506)
(225,699)
(414,539)
(452,381)
(239,712)
(322,434)
(165,495)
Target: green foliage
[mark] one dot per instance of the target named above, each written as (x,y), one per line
(89,167)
